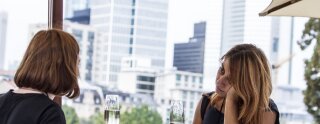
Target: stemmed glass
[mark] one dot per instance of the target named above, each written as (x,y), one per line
(177,112)
(112,110)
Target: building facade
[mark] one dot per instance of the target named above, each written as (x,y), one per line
(81,16)
(178,85)
(85,35)
(242,24)
(132,28)
(190,56)
(3,35)
(213,43)
(70,6)
(137,76)
(289,100)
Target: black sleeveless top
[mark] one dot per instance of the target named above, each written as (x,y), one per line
(212,115)
(30,108)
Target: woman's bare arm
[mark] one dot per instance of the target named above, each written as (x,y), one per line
(231,108)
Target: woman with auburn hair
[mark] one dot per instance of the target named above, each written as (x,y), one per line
(243,88)
(49,68)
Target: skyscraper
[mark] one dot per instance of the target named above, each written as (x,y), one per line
(77,11)
(241,24)
(3,32)
(190,56)
(75,5)
(81,16)
(133,28)
(86,36)
(212,43)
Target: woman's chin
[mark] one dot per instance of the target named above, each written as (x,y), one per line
(220,93)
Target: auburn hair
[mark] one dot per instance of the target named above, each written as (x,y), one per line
(50,64)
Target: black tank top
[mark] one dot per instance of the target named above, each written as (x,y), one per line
(214,116)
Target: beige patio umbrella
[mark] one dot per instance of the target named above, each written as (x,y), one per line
(302,8)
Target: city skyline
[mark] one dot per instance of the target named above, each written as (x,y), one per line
(228,23)
(177,17)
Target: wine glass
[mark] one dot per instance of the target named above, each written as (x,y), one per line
(112,110)
(177,112)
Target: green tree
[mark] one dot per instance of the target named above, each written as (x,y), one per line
(97,118)
(71,115)
(312,68)
(140,115)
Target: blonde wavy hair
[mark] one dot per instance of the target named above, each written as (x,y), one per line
(250,77)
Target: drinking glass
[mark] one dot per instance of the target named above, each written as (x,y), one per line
(112,110)
(177,112)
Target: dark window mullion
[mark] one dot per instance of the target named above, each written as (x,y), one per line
(55,20)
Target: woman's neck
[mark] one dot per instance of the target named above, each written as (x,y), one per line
(220,105)
(24,90)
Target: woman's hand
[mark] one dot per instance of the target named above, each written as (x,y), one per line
(232,96)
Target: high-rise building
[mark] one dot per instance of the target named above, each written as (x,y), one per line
(132,28)
(3,34)
(77,11)
(242,24)
(81,16)
(86,37)
(212,43)
(190,56)
(289,101)
(288,69)
(70,6)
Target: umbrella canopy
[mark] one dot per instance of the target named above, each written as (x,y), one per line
(303,8)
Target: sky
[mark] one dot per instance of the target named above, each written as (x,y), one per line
(19,17)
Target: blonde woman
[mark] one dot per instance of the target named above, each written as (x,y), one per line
(242,92)
(248,100)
